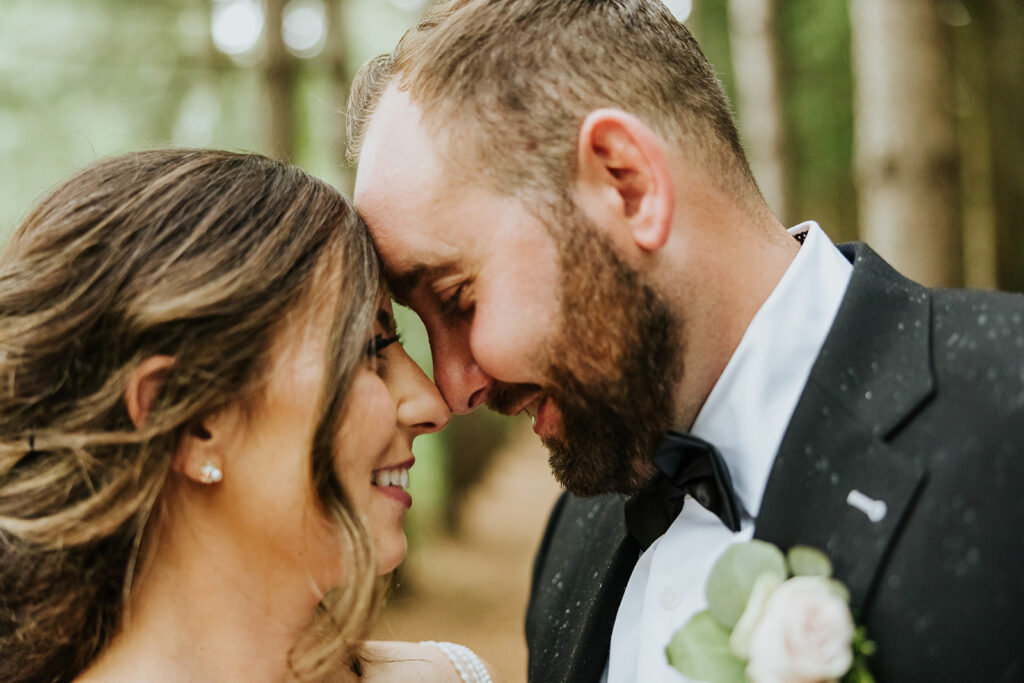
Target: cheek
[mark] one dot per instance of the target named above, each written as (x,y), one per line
(378,419)
(368,427)
(509,339)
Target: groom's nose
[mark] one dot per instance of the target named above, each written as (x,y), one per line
(463,384)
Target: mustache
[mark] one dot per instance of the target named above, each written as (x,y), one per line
(504,398)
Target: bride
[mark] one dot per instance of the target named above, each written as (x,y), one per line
(205,431)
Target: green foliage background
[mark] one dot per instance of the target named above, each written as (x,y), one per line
(82,79)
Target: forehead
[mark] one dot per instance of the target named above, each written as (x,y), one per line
(401,187)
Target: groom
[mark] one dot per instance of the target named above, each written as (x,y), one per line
(558,189)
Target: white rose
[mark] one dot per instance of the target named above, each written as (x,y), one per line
(805,635)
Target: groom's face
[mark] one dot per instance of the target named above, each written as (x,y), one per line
(522,314)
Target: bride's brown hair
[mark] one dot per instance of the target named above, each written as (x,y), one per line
(196,254)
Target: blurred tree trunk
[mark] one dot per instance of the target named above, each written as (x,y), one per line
(709,23)
(472,441)
(755,61)
(980,253)
(693,22)
(813,41)
(337,70)
(1000,28)
(906,152)
(279,74)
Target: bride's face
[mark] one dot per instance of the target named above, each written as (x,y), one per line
(268,475)
(391,402)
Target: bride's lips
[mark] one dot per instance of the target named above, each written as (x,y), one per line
(392,481)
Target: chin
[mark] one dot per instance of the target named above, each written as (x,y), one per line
(391,554)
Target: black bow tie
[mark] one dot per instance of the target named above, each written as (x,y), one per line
(686,465)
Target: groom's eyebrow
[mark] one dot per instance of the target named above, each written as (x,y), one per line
(402,284)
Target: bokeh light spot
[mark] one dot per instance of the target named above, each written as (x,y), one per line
(304,27)
(680,9)
(236,25)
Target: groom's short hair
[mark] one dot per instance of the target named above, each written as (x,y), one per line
(505,85)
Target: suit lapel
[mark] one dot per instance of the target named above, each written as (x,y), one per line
(836,483)
(577,593)
(594,638)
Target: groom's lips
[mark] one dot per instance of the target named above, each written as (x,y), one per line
(541,407)
(548,418)
(526,405)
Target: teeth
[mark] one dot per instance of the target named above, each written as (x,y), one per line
(398,476)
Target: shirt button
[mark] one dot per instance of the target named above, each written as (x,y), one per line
(669,598)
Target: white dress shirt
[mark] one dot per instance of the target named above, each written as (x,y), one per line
(745,417)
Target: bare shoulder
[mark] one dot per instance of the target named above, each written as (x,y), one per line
(393,661)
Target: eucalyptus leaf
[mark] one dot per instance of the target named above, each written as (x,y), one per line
(700,650)
(807,561)
(840,590)
(858,674)
(862,645)
(733,576)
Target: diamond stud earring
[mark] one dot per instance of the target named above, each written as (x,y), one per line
(210,474)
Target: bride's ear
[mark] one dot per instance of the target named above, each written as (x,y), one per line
(143,387)
(201,446)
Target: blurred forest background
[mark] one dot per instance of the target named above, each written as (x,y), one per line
(898,122)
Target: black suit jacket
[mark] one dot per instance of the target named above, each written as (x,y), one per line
(916,400)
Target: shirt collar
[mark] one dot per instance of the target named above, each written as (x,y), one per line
(749,408)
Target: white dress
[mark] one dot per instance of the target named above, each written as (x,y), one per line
(469,666)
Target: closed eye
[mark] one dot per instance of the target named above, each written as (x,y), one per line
(451,304)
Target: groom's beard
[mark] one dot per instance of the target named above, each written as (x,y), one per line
(612,368)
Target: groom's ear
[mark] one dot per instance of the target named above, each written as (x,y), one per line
(622,174)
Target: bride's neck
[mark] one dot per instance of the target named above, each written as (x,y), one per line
(203,611)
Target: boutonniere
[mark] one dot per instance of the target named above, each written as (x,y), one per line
(773,618)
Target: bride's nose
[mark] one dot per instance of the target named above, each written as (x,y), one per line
(421,410)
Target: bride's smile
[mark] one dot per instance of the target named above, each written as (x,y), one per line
(393,481)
